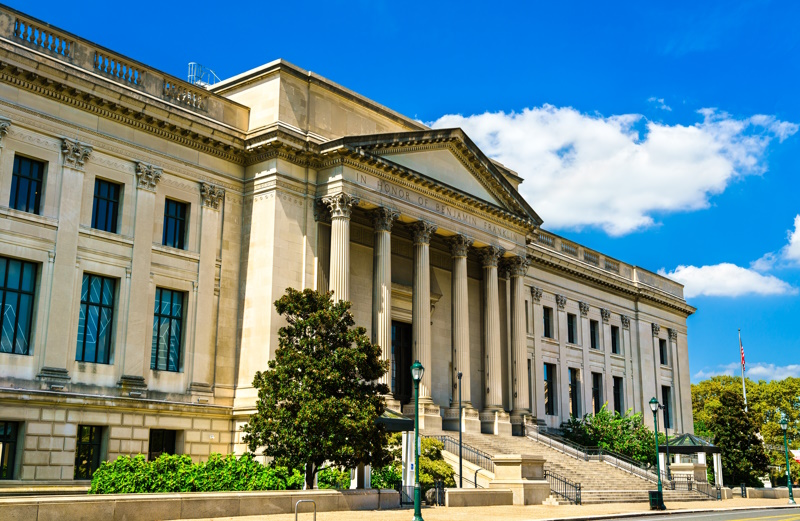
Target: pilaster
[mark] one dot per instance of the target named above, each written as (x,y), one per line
(518,267)
(538,362)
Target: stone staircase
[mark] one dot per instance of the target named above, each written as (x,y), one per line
(600,481)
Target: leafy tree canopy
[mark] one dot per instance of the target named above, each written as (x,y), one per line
(319,399)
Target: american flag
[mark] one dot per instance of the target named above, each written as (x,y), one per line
(741,349)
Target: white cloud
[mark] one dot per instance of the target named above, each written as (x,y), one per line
(755,371)
(788,256)
(619,172)
(726,280)
(659,102)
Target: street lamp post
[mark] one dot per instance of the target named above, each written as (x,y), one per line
(460,459)
(416,374)
(654,407)
(784,426)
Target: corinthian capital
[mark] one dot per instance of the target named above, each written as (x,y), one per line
(605,314)
(75,153)
(490,255)
(459,245)
(673,334)
(626,321)
(212,195)
(383,218)
(656,329)
(5,124)
(147,176)
(584,307)
(536,293)
(518,266)
(561,300)
(422,231)
(340,205)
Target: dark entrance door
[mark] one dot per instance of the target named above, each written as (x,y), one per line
(402,387)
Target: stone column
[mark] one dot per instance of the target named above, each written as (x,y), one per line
(59,342)
(519,343)
(631,383)
(139,334)
(205,339)
(340,206)
(383,218)
(494,420)
(421,322)
(322,218)
(677,415)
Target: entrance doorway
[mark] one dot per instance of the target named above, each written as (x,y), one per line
(402,387)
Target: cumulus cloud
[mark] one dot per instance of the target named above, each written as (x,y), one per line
(756,371)
(788,256)
(620,172)
(726,280)
(659,102)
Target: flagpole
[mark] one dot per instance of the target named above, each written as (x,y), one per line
(744,389)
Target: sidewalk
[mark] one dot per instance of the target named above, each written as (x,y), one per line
(514,513)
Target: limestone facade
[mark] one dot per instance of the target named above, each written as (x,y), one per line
(278,178)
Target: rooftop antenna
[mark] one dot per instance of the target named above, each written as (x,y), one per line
(202,76)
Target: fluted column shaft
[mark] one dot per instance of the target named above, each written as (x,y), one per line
(340,206)
(382,286)
(519,267)
(491,316)
(421,304)
(459,246)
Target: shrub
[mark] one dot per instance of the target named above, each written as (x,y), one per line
(333,477)
(387,477)
(173,473)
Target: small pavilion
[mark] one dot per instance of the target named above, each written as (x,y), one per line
(688,456)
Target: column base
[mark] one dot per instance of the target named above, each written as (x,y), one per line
(392,404)
(430,416)
(496,422)
(518,420)
(470,422)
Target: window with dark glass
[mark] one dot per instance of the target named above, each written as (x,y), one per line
(594,332)
(666,401)
(26,185)
(550,389)
(18,280)
(618,404)
(597,392)
(8,448)
(95,319)
(87,451)
(615,340)
(527,318)
(547,313)
(572,328)
(662,350)
(167,330)
(574,393)
(161,442)
(174,224)
(105,208)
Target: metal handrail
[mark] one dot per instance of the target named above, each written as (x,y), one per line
(305,501)
(471,454)
(561,486)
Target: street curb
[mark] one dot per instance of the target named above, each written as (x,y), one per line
(629,515)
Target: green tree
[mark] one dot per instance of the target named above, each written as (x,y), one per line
(319,399)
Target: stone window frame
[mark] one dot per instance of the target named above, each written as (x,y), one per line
(572,328)
(550,388)
(10,432)
(32,294)
(42,183)
(181,239)
(115,215)
(548,317)
(112,307)
(97,440)
(594,334)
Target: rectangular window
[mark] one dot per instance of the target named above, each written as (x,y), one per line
(666,401)
(8,448)
(574,393)
(174,224)
(597,392)
(105,208)
(550,389)
(167,330)
(594,331)
(527,318)
(572,329)
(662,351)
(96,319)
(618,401)
(26,185)
(161,442)
(18,279)
(87,451)
(615,340)
(547,313)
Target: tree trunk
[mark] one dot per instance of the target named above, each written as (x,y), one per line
(310,476)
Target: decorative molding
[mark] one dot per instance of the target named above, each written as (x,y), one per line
(490,256)
(422,231)
(341,205)
(656,329)
(626,321)
(75,153)
(459,245)
(383,218)
(584,307)
(561,300)
(55,374)
(5,124)
(536,293)
(212,195)
(518,266)
(321,212)
(673,334)
(147,176)
(606,314)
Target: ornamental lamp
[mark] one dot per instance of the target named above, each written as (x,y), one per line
(417,371)
(784,424)
(653,404)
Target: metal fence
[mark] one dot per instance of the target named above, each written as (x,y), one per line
(471,454)
(562,487)
(406,494)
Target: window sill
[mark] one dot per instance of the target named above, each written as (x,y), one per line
(549,340)
(175,252)
(32,218)
(618,356)
(106,236)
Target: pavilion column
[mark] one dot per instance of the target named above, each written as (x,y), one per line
(429,414)
(383,218)
(519,349)
(340,206)
(494,420)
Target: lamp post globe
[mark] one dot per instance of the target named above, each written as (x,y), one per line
(654,407)
(785,425)
(416,374)
(653,404)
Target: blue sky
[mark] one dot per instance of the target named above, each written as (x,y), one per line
(662,133)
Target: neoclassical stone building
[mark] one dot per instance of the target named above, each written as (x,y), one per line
(148,224)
